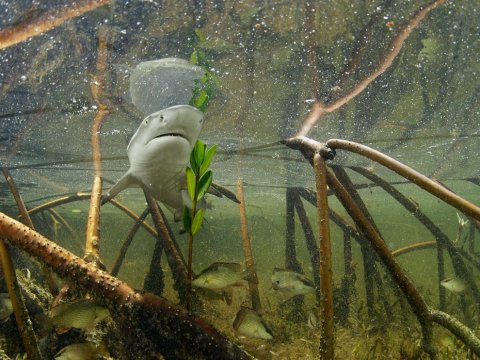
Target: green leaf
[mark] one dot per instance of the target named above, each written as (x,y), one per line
(204,184)
(191,183)
(199,151)
(202,59)
(193,162)
(187,221)
(199,101)
(204,79)
(194,58)
(207,159)
(197,221)
(200,35)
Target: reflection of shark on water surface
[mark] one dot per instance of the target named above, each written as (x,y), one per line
(159,152)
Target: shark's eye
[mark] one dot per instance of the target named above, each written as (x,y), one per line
(162,117)
(146,121)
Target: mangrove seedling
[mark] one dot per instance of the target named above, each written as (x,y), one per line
(199,178)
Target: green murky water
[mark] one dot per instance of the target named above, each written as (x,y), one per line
(268,60)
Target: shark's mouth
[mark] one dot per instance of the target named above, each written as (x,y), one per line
(171,134)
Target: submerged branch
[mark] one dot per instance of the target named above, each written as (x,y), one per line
(22,317)
(410,174)
(85,196)
(27,221)
(413,297)
(310,41)
(126,244)
(320,109)
(61,220)
(97,85)
(46,21)
(291,261)
(154,324)
(413,247)
(310,239)
(174,257)
(462,332)
(247,250)
(326,286)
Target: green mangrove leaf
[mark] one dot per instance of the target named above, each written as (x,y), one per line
(203,60)
(197,221)
(193,162)
(204,183)
(187,219)
(194,58)
(199,101)
(199,152)
(200,35)
(208,158)
(191,183)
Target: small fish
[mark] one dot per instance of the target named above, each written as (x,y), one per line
(78,314)
(80,351)
(291,283)
(249,323)
(225,295)
(220,275)
(6,308)
(455,285)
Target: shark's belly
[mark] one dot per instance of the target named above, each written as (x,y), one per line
(164,183)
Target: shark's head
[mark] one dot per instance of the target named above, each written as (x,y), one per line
(173,128)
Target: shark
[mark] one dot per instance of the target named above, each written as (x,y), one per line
(158,154)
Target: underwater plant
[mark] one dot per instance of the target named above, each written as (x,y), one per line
(205,87)
(199,179)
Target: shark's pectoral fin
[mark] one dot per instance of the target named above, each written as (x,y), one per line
(126,181)
(220,191)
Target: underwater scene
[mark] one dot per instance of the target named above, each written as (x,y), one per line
(248,179)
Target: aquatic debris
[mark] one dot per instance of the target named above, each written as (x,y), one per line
(461,221)
(309,101)
(431,49)
(249,323)
(461,224)
(390,24)
(78,314)
(81,351)
(159,152)
(312,321)
(291,283)
(220,275)
(455,285)
(6,308)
